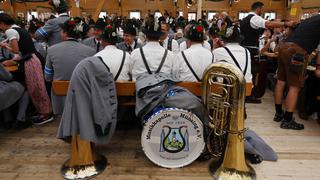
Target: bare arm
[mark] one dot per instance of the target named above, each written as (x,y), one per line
(264,50)
(275,24)
(14,47)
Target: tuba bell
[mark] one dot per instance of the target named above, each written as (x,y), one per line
(223,96)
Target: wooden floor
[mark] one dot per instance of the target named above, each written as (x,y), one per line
(35,153)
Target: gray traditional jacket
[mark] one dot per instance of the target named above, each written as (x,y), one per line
(50,32)
(61,60)
(257,146)
(158,90)
(91,105)
(10,91)
(91,42)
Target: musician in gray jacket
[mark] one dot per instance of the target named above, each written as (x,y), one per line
(12,92)
(95,41)
(129,39)
(50,32)
(63,57)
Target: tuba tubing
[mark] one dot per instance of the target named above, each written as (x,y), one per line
(224,96)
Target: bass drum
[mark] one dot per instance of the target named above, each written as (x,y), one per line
(173,138)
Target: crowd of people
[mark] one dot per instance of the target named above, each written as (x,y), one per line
(271,54)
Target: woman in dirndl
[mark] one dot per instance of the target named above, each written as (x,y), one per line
(20,43)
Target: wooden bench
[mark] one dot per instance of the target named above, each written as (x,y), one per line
(126,90)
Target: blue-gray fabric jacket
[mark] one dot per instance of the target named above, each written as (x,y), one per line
(10,91)
(91,105)
(50,32)
(159,90)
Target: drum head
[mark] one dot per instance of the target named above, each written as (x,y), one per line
(173,138)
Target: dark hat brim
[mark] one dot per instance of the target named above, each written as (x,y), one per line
(237,39)
(192,38)
(153,33)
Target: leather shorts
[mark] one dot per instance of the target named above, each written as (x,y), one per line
(291,71)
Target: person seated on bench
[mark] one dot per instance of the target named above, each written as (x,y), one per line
(233,53)
(20,43)
(63,57)
(117,60)
(130,41)
(10,93)
(193,61)
(152,58)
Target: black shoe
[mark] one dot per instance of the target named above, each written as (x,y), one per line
(291,125)
(253,100)
(42,119)
(19,125)
(278,117)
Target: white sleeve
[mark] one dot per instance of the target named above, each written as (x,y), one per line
(12,34)
(183,46)
(206,45)
(175,47)
(248,75)
(257,22)
(177,65)
(261,43)
(126,68)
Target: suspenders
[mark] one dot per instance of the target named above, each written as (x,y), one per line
(236,62)
(146,64)
(170,44)
(191,69)
(103,63)
(121,65)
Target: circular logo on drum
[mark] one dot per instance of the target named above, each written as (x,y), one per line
(173,138)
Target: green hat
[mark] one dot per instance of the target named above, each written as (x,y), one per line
(110,34)
(72,28)
(196,33)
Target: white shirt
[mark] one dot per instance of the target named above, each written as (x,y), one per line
(239,53)
(154,54)
(113,58)
(12,33)
(257,21)
(175,45)
(199,59)
(263,42)
(183,45)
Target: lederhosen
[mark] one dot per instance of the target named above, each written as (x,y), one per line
(120,68)
(146,63)
(189,66)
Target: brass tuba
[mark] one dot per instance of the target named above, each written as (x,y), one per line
(223,96)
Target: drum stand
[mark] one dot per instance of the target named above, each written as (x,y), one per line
(84,163)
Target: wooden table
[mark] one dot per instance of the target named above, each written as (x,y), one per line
(11,68)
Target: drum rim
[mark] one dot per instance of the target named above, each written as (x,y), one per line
(172,166)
